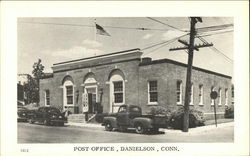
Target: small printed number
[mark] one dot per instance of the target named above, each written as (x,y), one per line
(24,150)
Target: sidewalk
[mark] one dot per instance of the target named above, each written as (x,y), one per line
(201,129)
(197,130)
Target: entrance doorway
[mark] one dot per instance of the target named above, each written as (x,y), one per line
(91,91)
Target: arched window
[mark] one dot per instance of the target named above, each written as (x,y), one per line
(117,89)
(68,91)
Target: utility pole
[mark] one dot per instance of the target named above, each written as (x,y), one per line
(191,47)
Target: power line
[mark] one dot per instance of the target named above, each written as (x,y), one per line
(214,28)
(165,24)
(164,44)
(217,33)
(151,46)
(216,50)
(82,25)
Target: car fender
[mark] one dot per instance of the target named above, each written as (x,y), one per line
(110,119)
(146,122)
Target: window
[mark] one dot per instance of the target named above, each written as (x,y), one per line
(152,91)
(212,100)
(191,95)
(69,94)
(226,96)
(200,94)
(219,97)
(118,91)
(179,92)
(47,98)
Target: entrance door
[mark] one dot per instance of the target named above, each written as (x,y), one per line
(91,99)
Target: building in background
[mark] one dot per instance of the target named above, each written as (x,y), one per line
(103,83)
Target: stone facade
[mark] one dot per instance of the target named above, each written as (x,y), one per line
(95,79)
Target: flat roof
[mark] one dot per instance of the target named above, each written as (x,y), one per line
(182,64)
(94,57)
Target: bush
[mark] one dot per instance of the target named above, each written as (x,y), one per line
(229,112)
(160,111)
(99,117)
(196,118)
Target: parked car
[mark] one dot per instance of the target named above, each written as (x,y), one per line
(23,114)
(130,116)
(48,116)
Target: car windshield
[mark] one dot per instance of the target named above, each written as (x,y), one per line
(53,110)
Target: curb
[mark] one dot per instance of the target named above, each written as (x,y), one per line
(196,130)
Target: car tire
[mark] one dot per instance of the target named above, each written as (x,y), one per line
(139,129)
(108,126)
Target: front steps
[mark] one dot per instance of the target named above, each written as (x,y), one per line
(80,118)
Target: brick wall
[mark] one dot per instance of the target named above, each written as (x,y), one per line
(137,76)
(168,74)
(129,69)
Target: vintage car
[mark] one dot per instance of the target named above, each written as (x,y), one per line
(23,114)
(48,116)
(130,116)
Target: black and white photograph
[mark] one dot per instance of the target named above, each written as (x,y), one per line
(122,78)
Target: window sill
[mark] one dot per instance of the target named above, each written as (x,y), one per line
(118,104)
(201,104)
(153,103)
(179,104)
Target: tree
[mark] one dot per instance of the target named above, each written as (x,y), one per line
(37,74)
(31,91)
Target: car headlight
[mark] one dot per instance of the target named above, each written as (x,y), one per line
(53,116)
(60,117)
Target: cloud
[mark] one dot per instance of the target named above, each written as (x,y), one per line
(147,36)
(170,34)
(75,52)
(91,43)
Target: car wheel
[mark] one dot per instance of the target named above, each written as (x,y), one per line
(108,126)
(61,124)
(46,122)
(139,129)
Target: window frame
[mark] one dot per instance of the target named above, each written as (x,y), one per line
(47,96)
(66,84)
(118,92)
(179,91)
(201,92)
(154,91)
(219,97)
(226,97)
(212,100)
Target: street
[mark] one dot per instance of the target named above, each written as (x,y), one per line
(34,133)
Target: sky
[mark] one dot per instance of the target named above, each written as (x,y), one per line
(56,40)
